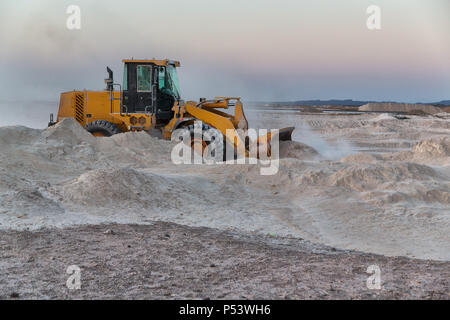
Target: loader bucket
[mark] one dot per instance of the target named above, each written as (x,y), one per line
(264,142)
(285,134)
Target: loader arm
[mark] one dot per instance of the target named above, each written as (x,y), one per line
(232,125)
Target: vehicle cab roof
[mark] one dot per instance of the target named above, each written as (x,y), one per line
(164,62)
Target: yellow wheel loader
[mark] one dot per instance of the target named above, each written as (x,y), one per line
(149,100)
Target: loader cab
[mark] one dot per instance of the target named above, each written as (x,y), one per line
(150,86)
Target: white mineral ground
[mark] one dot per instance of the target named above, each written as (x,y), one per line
(366,182)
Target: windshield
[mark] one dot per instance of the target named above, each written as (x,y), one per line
(168,81)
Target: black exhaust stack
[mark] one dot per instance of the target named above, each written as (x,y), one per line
(109,82)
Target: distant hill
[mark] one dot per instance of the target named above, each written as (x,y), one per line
(441,103)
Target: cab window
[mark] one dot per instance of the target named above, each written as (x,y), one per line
(144,78)
(168,81)
(161,78)
(125,77)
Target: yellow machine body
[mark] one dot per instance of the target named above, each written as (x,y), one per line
(89,106)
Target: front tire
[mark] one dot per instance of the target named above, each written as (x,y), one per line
(102,128)
(209,135)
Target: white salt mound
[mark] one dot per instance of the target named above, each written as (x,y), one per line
(399,107)
(297,150)
(69,131)
(124,188)
(435,147)
(18,135)
(433,151)
(361,158)
(365,177)
(383,117)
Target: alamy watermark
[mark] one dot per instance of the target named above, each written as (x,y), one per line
(374,20)
(73,21)
(374,281)
(74,280)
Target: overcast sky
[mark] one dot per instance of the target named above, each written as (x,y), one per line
(260,50)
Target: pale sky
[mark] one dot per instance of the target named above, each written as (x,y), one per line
(261,50)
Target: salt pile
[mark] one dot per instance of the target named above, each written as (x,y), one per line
(297,150)
(399,107)
(433,151)
(438,147)
(383,117)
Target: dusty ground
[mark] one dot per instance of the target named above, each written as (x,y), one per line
(170,261)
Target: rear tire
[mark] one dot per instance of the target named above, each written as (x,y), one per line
(102,128)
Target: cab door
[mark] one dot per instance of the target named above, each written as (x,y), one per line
(138,93)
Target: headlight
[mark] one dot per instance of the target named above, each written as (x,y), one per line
(133,120)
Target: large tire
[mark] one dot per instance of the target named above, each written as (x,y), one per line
(209,134)
(102,128)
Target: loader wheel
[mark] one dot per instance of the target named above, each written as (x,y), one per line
(209,134)
(102,128)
